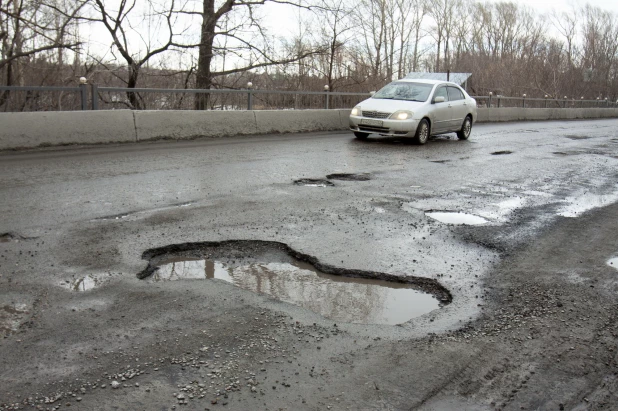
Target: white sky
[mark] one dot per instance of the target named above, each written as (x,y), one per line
(282,19)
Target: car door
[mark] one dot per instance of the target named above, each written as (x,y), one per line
(441,118)
(459,108)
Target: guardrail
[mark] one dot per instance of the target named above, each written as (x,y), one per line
(93,97)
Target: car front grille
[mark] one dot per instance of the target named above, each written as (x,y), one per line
(374,129)
(375,114)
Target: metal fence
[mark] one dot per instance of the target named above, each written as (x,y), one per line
(93,97)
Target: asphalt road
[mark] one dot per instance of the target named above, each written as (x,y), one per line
(532,323)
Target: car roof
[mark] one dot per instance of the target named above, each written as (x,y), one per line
(424,81)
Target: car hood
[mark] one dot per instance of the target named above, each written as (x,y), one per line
(390,106)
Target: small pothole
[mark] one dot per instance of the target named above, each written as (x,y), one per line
(313,182)
(501,153)
(341,294)
(440,161)
(349,177)
(577,137)
(456,218)
(10,237)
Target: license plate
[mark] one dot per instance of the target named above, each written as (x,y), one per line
(370,122)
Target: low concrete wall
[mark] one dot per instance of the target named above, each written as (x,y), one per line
(181,125)
(489,115)
(26,130)
(29,130)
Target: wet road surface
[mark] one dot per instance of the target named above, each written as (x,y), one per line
(518,223)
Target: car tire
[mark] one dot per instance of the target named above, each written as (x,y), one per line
(466,129)
(422,132)
(361,136)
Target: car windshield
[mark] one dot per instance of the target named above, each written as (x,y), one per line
(405,91)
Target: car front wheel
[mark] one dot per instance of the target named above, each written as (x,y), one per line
(466,129)
(360,136)
(422,132)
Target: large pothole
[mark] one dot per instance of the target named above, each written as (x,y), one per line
(313,182)
(341,294)
(349,177)
(456,218)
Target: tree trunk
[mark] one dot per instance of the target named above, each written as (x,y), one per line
(131,95)
(203,78)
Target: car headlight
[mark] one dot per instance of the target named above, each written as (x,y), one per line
(401,115)
(356,111)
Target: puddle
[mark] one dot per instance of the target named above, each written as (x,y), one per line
(274,269)
(440,161)
(86,283)
(561,153)
(313,182)
(613,262)
(501,153)
(349,177)
(11,317)
(450,217)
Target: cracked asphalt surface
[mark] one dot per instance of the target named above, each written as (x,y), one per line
(533,323)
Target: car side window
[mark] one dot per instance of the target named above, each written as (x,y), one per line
(455,94)
(441,92)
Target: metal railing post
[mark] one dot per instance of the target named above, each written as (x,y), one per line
(83,92)
(326,88)
(523,101)
(94,89)
(250,96)
(490,94)
(546,96)
(498,101)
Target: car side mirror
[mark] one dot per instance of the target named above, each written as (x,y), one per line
(439,99)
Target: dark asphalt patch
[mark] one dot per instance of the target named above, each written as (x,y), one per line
(314,182)
(440,161)
(562,153)
(349,177)
(273,268)
(501,153)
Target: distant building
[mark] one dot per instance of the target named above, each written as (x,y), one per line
(457,78)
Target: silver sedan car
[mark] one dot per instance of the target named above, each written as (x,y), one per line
(417,109)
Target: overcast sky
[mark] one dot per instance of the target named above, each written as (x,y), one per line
(281,19)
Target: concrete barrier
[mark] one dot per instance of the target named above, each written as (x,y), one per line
(489,115)
(292,121)
(180,125)
(27,130)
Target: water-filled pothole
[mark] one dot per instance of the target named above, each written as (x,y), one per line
(341,294)
(577,137)
(87,282)
(454,217)
(501,153)
(349,177)
(313,182)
